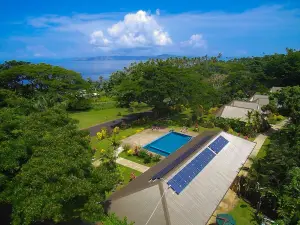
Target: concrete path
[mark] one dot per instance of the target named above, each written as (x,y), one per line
(259,140)
(132,165)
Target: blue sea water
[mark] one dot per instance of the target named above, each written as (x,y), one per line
(168,143)
(92,69)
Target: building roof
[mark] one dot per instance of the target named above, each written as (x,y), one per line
(260,99)
(152,202)
(245,104)
(275,89)
(233,112)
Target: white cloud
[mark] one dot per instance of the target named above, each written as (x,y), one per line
(140,32)
(136,30)
(157,12)
(195,41)
(98,39)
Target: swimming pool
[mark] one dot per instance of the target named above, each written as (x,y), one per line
(168,143)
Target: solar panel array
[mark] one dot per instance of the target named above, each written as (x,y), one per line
(218,144)
(190,171)
(181,158)
(182,179)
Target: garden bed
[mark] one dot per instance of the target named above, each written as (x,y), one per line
(136,159)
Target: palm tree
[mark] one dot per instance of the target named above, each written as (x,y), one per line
(249,117)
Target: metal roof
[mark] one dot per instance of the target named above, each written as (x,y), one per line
(244,104)
(260,99)
(233,112)
(153,202)
(275,89)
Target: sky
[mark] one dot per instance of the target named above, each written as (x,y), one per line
(65,29)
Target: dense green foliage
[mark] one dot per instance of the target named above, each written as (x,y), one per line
(278,173)
(46,173)
(52,83)
(165,84)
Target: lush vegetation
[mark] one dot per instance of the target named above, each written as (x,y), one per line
(243,213)
(46,173)
(201,83)
(274,179)
(45,160)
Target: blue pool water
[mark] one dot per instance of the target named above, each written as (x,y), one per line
(168,143)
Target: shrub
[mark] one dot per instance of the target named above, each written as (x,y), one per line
(99,135)
(230,131)
(114,141)
(279,117)
(147,159)
(116,130)
(143,153)
(156,158)
(130,110)
(104,133)
(130,152)
(126,147)
(119,114)
(208,124)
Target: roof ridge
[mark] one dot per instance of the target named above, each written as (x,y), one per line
(239,107)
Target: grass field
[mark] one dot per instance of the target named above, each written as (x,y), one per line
(93,117)
(243,213)
(263,150)
(136,159)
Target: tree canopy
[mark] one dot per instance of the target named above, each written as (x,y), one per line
(206,81)
(278,172)
(46,174)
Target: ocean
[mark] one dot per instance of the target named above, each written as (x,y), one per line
(92,69)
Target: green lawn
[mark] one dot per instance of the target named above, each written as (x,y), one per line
(243,214)
(125,172)
(94,117)
(136,159)
(263,150)
(106,143)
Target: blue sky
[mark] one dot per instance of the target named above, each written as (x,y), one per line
(64,29)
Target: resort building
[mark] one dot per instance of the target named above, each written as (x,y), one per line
(260,99)
(232,112)
(187,186)
(275,89)
(244,104)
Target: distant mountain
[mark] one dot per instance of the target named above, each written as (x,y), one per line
(119,57)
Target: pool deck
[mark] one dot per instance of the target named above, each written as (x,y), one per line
(149,135)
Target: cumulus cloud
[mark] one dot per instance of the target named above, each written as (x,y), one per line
(136,30)
(142,33)
(195,41)
(98,39)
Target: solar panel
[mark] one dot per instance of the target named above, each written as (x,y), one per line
(181,158)
(218,144)
(182,179)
